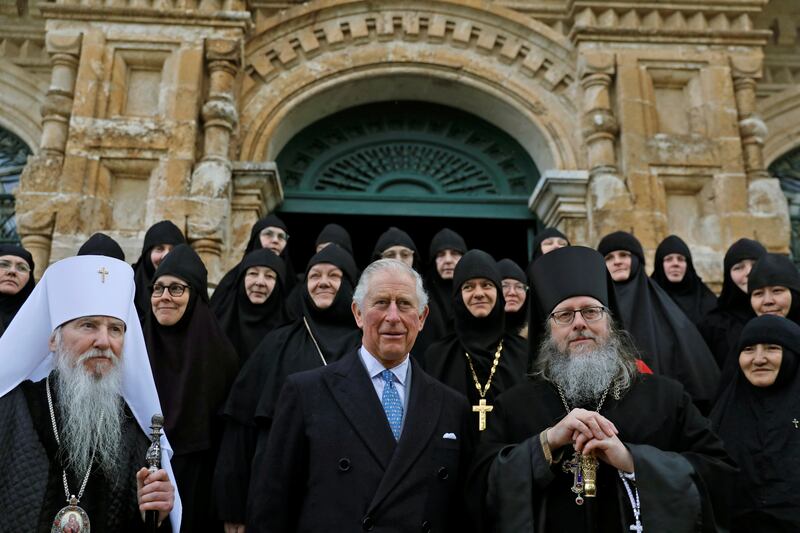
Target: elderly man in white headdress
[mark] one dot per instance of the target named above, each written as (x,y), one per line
(76,399)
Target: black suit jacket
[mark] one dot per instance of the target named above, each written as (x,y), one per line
(331,463)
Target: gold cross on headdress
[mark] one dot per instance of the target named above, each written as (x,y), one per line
(103,273)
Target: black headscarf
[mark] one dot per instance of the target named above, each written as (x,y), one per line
(756,425)
(164,232)
(691,294)
(193,362)
(479,337)
(510,270)
(668,341)
(777,270)
(440,318)
(543,235)
(227,285)
(336,234)
(396,237)
(102,244)
(247,323)
(291,349)
(10,304)
(722,325)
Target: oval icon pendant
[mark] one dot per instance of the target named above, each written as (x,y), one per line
(71,519)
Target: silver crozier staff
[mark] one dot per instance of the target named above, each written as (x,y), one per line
(153,460)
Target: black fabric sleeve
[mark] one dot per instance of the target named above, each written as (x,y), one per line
(280,468)
(232,472)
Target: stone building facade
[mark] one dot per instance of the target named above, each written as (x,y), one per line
(650,116)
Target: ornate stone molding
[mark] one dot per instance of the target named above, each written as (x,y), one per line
(425,22)
(560,195)
(216,13)
(634,21)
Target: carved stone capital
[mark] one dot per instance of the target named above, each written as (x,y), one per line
(592,62)
(227,50)
(63,43)
(746,66)
(256,187)
(560,194)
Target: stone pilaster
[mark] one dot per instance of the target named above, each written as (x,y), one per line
(746,71)
(211,178)
(39,182)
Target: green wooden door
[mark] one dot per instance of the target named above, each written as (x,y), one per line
(787,170)
(408,159)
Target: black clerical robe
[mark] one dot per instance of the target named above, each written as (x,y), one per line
(681,468)
(31,487)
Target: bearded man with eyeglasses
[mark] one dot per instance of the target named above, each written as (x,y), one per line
(592,441)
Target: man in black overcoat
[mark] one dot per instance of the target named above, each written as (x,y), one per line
(370,442)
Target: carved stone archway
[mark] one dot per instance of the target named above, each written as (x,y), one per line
(21,98)
(510,70)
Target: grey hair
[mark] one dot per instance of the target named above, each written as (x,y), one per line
(621,342)
(393,266)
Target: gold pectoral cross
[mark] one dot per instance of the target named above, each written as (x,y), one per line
(103,273)
(482,409)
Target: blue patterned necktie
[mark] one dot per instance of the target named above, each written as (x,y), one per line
(391,403)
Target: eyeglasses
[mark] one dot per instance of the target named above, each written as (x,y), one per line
(280,235)
(20,267)
(175,289)
(515,286)
(589,314)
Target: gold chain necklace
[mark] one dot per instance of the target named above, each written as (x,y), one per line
(482,408)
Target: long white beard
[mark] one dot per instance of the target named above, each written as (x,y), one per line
(92,412)
(584,376)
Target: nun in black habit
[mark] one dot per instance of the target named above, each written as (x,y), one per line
(395,243)
(13,296)
(512,275)
(244,317)
(102,244)
(334,234)
(757,422)
(194,365)
(480,354)
(160,237)
(669,343)
(774,287)
(439,323)
(256,242)
(723,324)
(690,293)
(521,482)
(547,240)
(319,336)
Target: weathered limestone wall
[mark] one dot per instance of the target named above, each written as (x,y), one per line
(642,116)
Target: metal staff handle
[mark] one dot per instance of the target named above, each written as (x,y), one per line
(153,460)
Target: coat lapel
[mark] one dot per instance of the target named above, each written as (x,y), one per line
(354,393)
(424,410)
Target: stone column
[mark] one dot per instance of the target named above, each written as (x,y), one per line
(753,130)
(211,177)
(559,200)
(600,126)
(39,181)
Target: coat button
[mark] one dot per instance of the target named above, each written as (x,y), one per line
(425,527)
(344,464)
(367,523)
(442,473)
